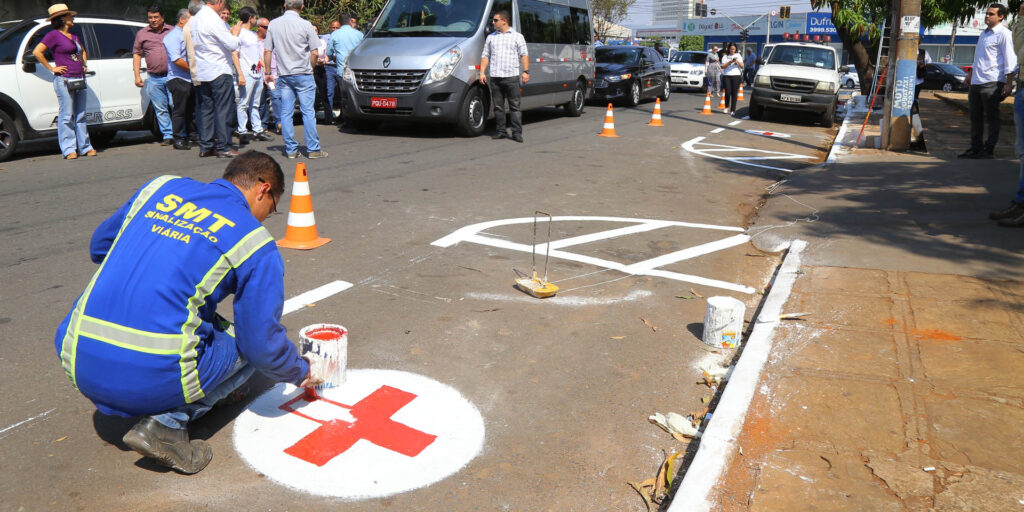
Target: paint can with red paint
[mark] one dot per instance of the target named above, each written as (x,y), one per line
(330,342)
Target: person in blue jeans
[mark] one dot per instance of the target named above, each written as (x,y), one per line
(1013,215)
(149,44)
(294,44)
(69,68)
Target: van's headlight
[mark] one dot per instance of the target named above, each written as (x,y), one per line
(348,76)
(825,87)
(763,79)
(444,66)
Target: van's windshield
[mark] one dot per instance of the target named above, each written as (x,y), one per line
(803,56)
(429,18)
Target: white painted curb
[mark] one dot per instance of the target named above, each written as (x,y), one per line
(718,439)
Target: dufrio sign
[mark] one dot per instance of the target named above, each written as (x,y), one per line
(820,23)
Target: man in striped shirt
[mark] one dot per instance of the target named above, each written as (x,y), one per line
(505,51)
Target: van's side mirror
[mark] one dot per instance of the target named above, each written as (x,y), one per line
(760,62)
(28,62)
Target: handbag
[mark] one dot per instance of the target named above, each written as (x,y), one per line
(74,84)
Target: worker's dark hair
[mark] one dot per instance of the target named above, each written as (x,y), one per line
(1000,9)
(246,171)
(154,8)
(246,13)
(503,15)
(344,18)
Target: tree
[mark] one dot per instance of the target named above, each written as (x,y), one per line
(858,25)
(607,14)
(691,43)
(322,12)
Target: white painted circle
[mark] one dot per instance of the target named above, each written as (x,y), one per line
(265,430)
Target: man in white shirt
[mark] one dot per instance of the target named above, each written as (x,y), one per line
(213,44)
(991,80)
(505,52)
(249,64)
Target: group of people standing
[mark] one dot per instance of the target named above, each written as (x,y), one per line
(725,70)
(208,81)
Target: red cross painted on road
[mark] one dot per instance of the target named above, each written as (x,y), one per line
(372,422)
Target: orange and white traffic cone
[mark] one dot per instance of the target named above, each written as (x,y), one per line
(656,116)
(739,97)
(609,124)
(301,231)
(721,103)
(707,104)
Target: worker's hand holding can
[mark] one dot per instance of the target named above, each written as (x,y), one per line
(316,370)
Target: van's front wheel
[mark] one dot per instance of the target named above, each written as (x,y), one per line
(472,114)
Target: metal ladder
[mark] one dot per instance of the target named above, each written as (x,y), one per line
(883,53)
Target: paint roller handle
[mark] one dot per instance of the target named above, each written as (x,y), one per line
(316,370)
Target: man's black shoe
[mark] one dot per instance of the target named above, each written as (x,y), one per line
(204,154)
(518,137)
(497,136)
(167,142)
(1017,221)
(970,153)
(1010,211)
(182,144)
(170,447)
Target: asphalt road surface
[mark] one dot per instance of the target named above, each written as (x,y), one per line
(564,386)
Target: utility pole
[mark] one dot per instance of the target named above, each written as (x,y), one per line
(900,95)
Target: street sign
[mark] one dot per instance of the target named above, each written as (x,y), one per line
(382,433)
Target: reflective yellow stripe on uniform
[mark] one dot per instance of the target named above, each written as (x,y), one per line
(238,254)
(69,345)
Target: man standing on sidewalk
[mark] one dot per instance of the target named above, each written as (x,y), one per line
(179,82)
(505,51)
(294,43)
(1013,215)
(213,44)
(149,44)
(991,80)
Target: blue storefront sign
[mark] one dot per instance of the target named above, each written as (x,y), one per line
(820,23)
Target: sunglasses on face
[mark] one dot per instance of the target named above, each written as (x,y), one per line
(264,27)
(495,20)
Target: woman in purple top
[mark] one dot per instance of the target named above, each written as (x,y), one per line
(68,73)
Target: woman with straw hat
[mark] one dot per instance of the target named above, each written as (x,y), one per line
(69,66)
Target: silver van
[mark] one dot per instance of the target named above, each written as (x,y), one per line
(420,61)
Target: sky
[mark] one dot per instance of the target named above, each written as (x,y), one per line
(642,11)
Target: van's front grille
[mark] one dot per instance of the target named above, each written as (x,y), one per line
(400,111)
(388,81)
(793,84)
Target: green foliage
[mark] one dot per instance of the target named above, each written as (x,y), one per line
(607,13)
(691,43)
(322,12)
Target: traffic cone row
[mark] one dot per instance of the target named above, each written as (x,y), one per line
(301,230)
(707,104)
(739,97)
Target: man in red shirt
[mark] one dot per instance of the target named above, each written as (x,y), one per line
(149,45)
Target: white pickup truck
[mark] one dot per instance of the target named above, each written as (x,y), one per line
(798,76)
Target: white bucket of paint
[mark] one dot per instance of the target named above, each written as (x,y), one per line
(723,322)
(330,342)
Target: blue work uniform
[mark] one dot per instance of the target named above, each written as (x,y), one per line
(145,336)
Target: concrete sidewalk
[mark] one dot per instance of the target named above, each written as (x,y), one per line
(902,388)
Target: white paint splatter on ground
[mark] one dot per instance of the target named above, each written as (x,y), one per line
(3,433)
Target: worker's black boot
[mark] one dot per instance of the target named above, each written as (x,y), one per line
(168,446)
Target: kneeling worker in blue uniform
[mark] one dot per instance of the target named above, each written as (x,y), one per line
(144,338)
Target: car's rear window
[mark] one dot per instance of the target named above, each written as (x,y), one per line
(617,55)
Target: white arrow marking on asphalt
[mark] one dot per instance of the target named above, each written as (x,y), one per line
(648,268)
(742,159)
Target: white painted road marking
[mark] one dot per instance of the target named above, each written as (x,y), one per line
(767,134)
(315,295)
(384,432)
(718,130)
(649,267)
(734,123)
(561,301)
(712,149)
(22,422)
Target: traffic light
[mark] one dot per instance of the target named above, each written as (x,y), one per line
(713,11)
(744,34)
(784,12)
(700,10)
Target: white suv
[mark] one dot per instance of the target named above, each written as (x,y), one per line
(798,76)
(28,105)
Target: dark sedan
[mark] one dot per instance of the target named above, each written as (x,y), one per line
(630,74)
(939,75)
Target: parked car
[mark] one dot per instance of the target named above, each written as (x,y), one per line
(688,70)
(849,77)
(28,105)
(798,76)
(630,74)
(939,75)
